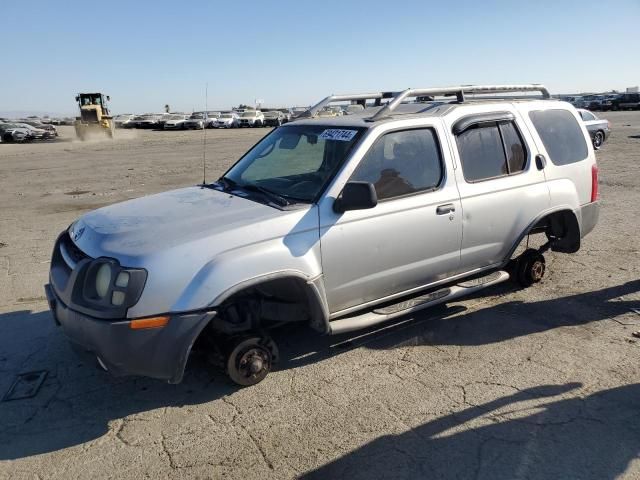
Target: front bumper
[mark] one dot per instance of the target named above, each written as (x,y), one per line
(155,352)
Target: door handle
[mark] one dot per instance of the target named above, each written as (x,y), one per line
(541,162)
(444,209)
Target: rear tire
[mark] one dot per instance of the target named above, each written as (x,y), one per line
(530,268)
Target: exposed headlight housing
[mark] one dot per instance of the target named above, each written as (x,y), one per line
(110,287)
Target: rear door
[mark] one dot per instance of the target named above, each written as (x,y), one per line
(502,190)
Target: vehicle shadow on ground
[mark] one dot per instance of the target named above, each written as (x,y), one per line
(450,325)
(78,401)
(590,438)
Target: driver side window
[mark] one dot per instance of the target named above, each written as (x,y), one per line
(402,163)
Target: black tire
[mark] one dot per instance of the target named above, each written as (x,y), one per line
(529,268)
(598,140)
(250,360)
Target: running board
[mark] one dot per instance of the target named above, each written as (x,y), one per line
(443,295)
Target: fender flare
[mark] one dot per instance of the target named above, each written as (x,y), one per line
(314,289)
(565,249)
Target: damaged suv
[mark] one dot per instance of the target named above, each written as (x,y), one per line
(337,223)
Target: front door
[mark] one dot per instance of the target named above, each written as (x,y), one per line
(410,239)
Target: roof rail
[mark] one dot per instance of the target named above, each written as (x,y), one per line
(398,97)
(459,92)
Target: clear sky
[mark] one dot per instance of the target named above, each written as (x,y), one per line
(149,53)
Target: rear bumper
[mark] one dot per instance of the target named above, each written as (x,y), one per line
(589,214)
(155,352)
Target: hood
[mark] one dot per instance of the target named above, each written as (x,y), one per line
(185,220)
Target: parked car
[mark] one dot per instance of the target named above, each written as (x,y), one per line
(288,114)
(251,118)
(122,121)
(175,122)
(53,132)
(351,109)
(297,111)
(36,133)
(10,133)
(195,121)
(226,120)
(336,223)
(599,129)
(274,118)
(211,119)
(627,101)
(577,102)
(148,120)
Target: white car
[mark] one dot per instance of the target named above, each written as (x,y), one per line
(226,120)
(196,120)
(36,133)
(121,121)
(175,122)
(251,118)
(211,118)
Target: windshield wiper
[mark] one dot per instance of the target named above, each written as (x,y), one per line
(227,183)
(266,192)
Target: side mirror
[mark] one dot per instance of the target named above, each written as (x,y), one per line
(77,98)
(356,196)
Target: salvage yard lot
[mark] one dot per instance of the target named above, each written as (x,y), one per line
(514,384)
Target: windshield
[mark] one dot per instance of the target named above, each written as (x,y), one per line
(249,114)
(175,117)
(271,114)
(226,115)
(295,161)
(197,116)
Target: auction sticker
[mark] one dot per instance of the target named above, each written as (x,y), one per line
(338,134)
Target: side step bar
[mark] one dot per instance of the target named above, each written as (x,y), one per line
(443,295)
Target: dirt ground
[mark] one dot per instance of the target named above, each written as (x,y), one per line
(514,384)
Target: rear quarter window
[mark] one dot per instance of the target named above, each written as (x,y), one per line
(561,135)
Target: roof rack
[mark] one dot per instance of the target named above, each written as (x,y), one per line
(399,97)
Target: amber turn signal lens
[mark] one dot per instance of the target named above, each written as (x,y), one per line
(151,322)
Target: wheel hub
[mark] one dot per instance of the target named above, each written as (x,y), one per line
(537,271)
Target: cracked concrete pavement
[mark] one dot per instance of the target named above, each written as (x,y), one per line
(511,384)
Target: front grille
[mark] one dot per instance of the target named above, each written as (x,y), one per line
(71,254)
(89,116)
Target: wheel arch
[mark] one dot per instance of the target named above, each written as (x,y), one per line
(310,291)
(562,227)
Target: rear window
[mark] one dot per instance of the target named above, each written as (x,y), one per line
(561,134)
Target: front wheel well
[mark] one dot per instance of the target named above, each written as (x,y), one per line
(270,303)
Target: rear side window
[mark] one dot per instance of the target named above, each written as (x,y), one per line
(587,116)
(491,150)
(561,134)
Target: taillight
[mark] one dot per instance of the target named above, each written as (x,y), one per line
(594,182)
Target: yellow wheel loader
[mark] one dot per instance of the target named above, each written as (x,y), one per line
(94,115)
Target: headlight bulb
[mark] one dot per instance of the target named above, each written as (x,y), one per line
(103,280)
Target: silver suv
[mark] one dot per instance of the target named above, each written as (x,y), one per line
(338,223)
